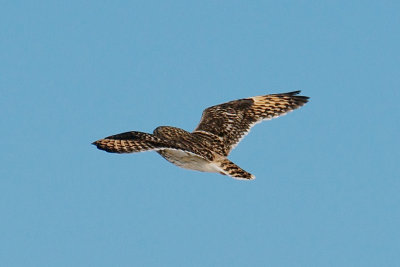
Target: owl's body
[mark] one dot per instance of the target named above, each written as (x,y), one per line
(181,158)
(206,148)
(188,160)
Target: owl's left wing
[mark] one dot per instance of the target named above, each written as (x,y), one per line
(231,121)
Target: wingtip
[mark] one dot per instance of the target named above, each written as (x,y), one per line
(303,98)
(294,92)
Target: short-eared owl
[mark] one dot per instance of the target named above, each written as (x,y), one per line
(220,129)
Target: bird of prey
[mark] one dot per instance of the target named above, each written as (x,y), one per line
(220,129)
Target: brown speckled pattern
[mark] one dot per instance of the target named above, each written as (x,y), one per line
(231,121)
(234,171)
(221,128)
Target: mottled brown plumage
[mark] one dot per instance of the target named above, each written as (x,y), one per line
(220,129)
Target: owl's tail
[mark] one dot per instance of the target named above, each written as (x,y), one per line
(229,168)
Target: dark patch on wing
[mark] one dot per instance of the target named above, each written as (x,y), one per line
(240,104)
(129,142)
(128,136)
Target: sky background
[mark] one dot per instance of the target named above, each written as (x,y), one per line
(328,175)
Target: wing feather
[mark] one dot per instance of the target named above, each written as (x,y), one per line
(231,121)
(131,142)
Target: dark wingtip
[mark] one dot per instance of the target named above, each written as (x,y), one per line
(301,99)
(294,92)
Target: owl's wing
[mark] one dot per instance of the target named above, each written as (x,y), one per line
(231,121)
(131,142)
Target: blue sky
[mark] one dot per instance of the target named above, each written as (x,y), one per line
(327,187)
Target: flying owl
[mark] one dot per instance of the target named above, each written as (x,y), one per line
(220,129)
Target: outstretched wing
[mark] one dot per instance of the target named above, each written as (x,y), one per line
(131,142)
(231,121)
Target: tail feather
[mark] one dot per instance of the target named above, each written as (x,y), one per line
(229,168)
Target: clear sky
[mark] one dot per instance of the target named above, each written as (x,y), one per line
(327,191)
